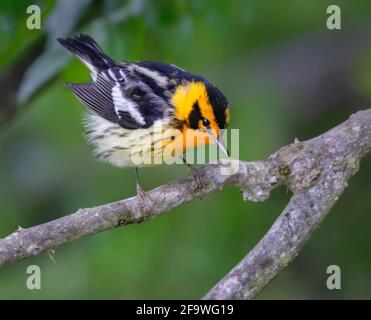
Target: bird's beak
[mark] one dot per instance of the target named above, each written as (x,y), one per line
(219,142)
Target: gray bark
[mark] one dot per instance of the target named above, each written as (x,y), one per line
(316,171)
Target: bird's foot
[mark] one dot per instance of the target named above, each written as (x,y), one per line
(144,198)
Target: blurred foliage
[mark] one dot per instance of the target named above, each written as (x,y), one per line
(47,171)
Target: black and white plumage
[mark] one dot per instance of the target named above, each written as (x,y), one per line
(121,92)
(129,98)
(123,97)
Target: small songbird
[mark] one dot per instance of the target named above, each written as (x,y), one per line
(127,101)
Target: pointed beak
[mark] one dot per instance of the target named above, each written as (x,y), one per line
(219,142)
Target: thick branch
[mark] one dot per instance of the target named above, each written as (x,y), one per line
(316,171)
(319,174)
(260,176)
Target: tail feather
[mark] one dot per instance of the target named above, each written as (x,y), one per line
(88,51)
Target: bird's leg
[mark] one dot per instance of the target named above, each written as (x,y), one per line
(193,170)
(141,193)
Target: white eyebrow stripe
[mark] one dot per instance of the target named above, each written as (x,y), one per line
(122,104)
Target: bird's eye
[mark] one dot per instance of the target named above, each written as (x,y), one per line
(205,122)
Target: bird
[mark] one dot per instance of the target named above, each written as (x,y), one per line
(145,108)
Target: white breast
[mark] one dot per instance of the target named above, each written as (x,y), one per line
(123,147)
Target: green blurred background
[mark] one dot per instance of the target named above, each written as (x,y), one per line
(285,74)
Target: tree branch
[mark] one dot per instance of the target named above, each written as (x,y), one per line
(316,171)
(319,173)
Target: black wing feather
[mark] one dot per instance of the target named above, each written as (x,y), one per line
(97,96)
(138,90)
(94,99)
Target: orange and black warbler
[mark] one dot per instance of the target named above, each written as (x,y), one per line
(127,101)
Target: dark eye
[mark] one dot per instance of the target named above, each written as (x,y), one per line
(205,122)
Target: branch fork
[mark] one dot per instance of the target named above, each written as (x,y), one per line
(316,171)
